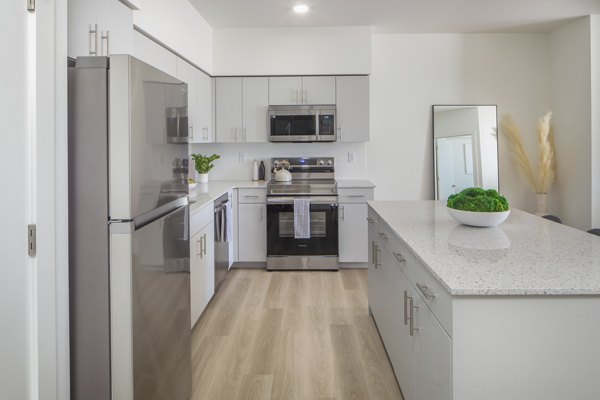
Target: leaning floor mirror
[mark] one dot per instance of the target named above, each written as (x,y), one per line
(465,140)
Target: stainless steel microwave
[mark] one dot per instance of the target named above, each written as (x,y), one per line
(315,123)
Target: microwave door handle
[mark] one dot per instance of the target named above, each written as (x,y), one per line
(317,125)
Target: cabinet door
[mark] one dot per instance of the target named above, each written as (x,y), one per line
(154,54)
(318,90)
(188,74)
(205,108)
(352,101)
(433,356)
(284,90)
(202,271)
(252,232)
(81,14)
(229,110)
(115,22)
(353,232)
(374,283)
(255,103)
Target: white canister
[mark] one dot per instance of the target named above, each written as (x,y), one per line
(255,171)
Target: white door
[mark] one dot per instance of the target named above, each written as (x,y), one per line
(115,22)
(252,232)
(205,109)
(318,90)
(353,233)
(187,73)
(454,164)
(228,106)
(255,104)
(285,90)
(15,164)
(352,99)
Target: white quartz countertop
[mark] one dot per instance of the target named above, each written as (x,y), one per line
(206,193)
(526,255)
(354,184)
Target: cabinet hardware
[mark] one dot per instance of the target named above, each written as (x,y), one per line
(339,135)
(295,96)
(305,96)
(261,214)
(93,31)
(405,306)
(427,292)
(383,236)
(251,197)
(244,134)
(105,36)
(31,5)
(204,247)
(399,257)
(31,240)
(342,217)
(355,196)
(370,220)
(377,264)
(412,307)
(199,248)
(373,253)
(191,137)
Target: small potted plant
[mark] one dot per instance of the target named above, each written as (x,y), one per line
(203,165)
(478,207)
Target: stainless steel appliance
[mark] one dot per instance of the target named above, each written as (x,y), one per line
(128,232)
(302,123)
(312,179)
(222,232)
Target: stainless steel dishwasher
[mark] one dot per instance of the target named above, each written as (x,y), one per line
(222,238)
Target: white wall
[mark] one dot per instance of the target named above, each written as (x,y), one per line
(488,146)
(571,102)
(228,167)
(292,51)
(410,73)
(595,74)
(180,26)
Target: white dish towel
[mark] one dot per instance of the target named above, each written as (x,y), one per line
(302,218)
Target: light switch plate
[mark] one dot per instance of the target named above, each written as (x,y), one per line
(351,156)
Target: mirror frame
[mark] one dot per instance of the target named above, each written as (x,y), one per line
(435,174)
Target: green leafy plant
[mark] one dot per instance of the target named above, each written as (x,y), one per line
(204,163)
(478,200)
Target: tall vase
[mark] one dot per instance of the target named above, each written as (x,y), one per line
(541,204)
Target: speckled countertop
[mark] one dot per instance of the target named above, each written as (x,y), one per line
(526,255)
(206,193)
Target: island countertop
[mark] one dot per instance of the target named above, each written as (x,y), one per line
(525,256)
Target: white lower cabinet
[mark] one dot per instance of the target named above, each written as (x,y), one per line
(353,232)
(252,232)
(418,347)
(202,269)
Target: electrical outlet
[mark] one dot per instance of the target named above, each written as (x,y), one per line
(351,156)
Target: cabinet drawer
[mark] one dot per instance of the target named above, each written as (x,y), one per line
(355,195)
(201,217)
(373,220)
(252,196)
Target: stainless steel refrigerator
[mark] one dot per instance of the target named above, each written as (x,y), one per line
(128,232)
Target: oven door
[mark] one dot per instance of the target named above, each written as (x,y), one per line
(323,239)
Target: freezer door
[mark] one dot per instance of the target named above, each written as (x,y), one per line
(148,137)
(150,311)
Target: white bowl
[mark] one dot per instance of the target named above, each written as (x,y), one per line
(479,219)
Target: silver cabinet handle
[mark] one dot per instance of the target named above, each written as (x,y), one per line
(399,257)
(339,129)
(405,307)
(373,253)
(383,236)
(412,308)
(105,36)
(206,135)
(245,134)
(251,197)
(93,31)
(426,290)
(204,237)
(191,132)
(199,248)
(370,220)
(305,96)
(295,97)
(377,264)
(355,196)
(261,213)
(343,214)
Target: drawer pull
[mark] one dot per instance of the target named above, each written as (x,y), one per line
(405,307)
(412,316)
(251,197)
(370,220)
(356,195)
(399,257)
(427,292)
(383,236)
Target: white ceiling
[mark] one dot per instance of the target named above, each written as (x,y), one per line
(410,16)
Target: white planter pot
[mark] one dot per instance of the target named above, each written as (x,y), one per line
(203,178)
(479,219)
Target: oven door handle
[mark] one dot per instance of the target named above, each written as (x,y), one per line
(285,200)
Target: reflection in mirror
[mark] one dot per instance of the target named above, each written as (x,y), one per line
(465,143)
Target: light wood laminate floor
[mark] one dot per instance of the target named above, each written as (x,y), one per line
(290,335)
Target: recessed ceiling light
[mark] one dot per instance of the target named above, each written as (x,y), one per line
(301,8)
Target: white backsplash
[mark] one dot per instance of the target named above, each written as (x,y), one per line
(231,167)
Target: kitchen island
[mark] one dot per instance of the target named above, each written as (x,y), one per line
(466,313)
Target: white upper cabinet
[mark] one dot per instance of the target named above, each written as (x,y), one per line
(241,109)
(318,90)
(206,113)
(188,74)
(255,95)
(228,105)
(99,28)
(285,90)
(154,54)
(352,101)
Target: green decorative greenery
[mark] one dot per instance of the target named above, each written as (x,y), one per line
(478,200)
(204,163)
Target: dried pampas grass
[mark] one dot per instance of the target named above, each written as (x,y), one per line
(543,180)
